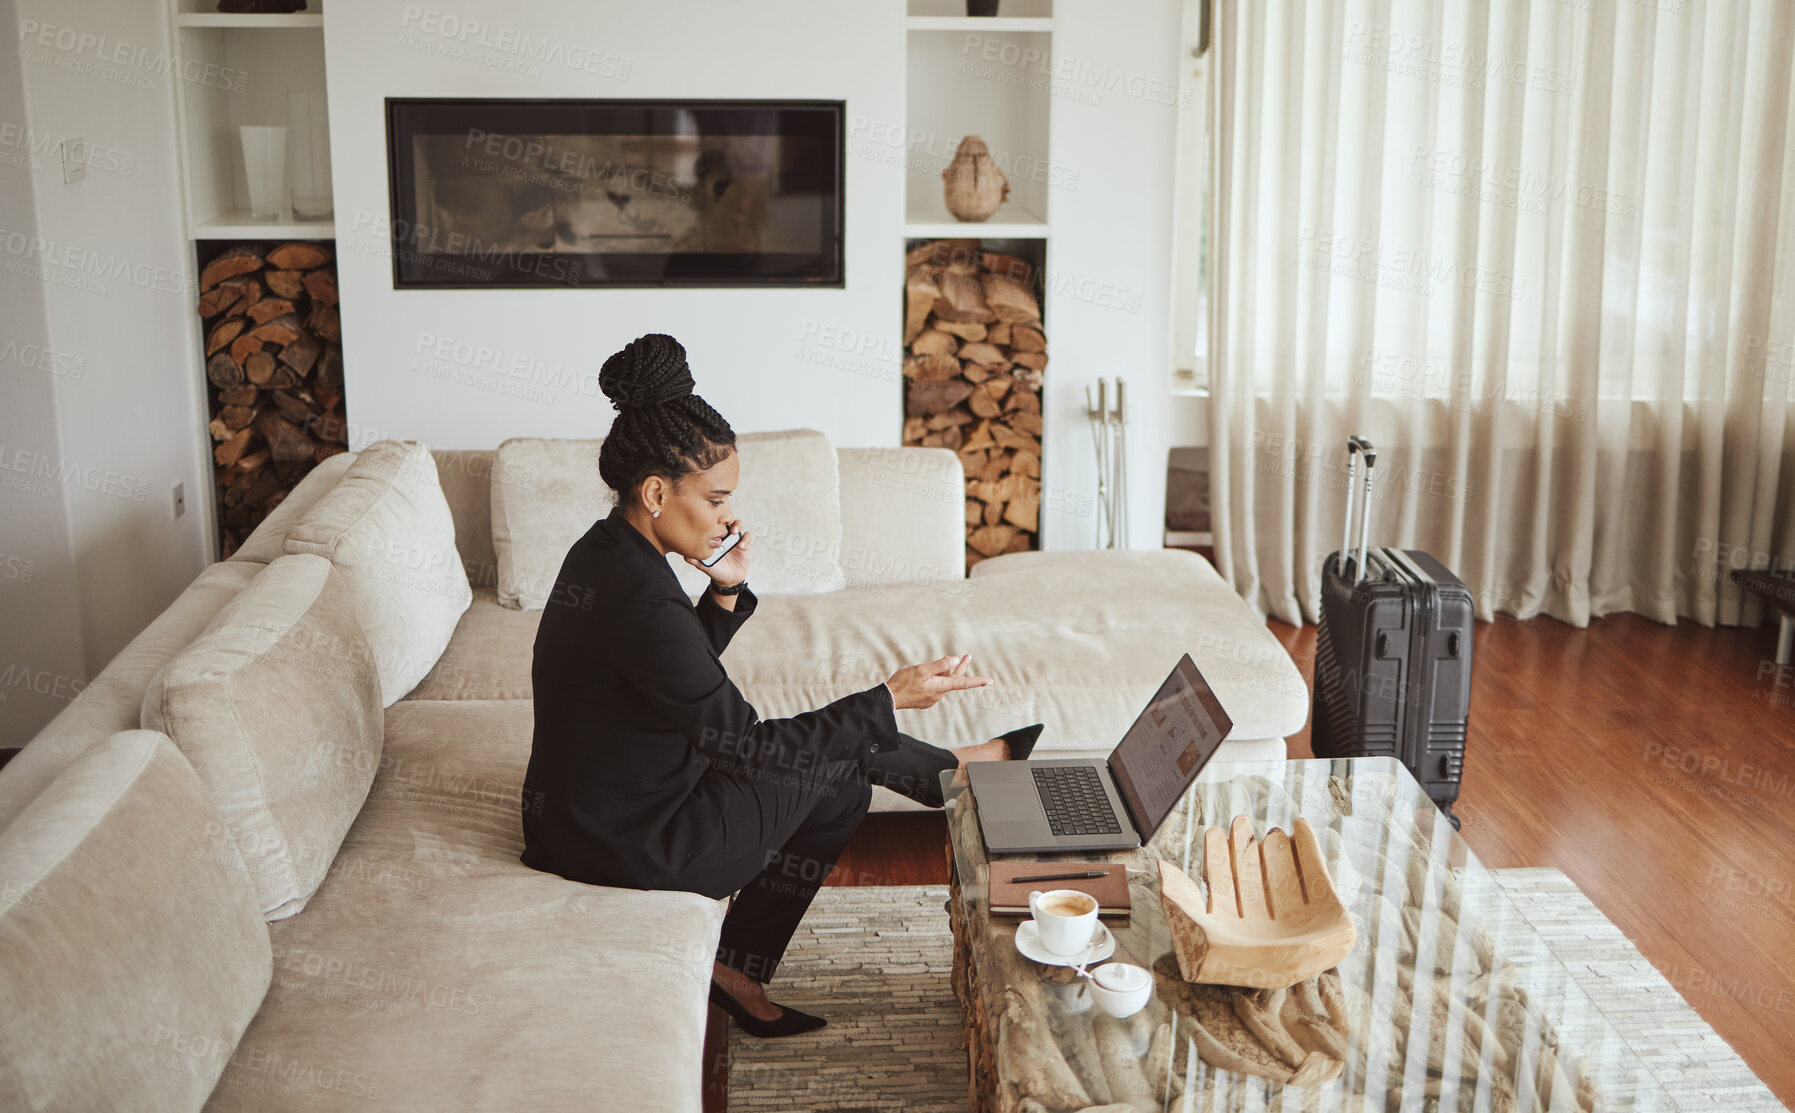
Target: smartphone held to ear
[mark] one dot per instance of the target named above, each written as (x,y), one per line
(729,542)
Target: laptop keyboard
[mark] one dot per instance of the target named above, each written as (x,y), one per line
(1073,797)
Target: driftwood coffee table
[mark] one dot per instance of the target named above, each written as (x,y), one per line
(1449,999)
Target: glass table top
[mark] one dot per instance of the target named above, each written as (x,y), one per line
(1452,1000)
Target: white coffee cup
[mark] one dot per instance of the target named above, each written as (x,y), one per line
(1065,919)
(1121,988)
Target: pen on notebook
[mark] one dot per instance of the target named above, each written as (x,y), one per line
(1064,876)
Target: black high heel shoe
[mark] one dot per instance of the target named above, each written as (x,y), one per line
(789,1023)
(1022,740)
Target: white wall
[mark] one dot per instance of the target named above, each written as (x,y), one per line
(1114,124)
(767,359)
(40,645)
(106,443)
(746,347)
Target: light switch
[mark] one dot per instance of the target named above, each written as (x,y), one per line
(74,160)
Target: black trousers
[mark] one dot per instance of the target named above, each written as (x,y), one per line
(812,821)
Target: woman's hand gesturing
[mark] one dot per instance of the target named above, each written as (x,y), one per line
(923,685)
(733,568)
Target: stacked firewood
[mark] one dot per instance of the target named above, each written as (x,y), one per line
(275,363)
(974,352)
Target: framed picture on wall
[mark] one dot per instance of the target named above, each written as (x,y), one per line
(532,193)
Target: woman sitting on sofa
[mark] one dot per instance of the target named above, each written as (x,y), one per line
(648,769)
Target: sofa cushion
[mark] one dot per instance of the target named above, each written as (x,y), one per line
(547,493)
(277,706)
(387,526)
(545,496)
(435,971)
(903,515)
(490,656)
(268,540)
(113,700)
(134,948)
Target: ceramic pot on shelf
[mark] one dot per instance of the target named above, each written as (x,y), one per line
(975,187)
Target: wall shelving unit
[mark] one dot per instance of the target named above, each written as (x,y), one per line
(237,69)
(231,70)
(984,76)
(988,76)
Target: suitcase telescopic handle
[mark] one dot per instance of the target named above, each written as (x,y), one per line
(1355,445)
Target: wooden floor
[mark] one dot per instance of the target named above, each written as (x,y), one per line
(1654,765)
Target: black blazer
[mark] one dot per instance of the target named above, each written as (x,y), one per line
(638,725)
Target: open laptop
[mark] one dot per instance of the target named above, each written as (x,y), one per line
(1116,804)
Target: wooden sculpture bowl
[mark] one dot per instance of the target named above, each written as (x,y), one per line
(1272,917)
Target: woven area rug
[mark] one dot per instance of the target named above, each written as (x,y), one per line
(877,962)
(1693,1064)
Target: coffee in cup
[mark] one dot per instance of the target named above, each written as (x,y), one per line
(1065,919)
(1076,904)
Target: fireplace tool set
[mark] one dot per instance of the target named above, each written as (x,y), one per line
(1109,435)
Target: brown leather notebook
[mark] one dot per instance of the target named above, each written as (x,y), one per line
(1010,898)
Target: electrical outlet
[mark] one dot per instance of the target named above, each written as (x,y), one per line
(179,493)
(74,160)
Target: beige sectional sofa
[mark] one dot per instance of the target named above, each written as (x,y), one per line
(300,889)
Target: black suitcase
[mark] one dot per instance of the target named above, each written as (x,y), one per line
(1393,655)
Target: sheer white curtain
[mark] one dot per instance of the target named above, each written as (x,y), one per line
(1542,254)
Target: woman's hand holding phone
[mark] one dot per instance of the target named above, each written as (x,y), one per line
(728,563)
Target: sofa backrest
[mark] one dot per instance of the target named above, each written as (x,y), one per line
(466,476)
(112,700)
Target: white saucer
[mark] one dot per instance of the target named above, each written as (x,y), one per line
(1028,941)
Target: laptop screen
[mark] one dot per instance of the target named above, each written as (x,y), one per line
(1169,743)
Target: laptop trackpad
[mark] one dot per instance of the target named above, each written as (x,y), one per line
(1004,836)
(1011,798)
(1010,813)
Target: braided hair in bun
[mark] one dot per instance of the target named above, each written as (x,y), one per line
(661,428)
